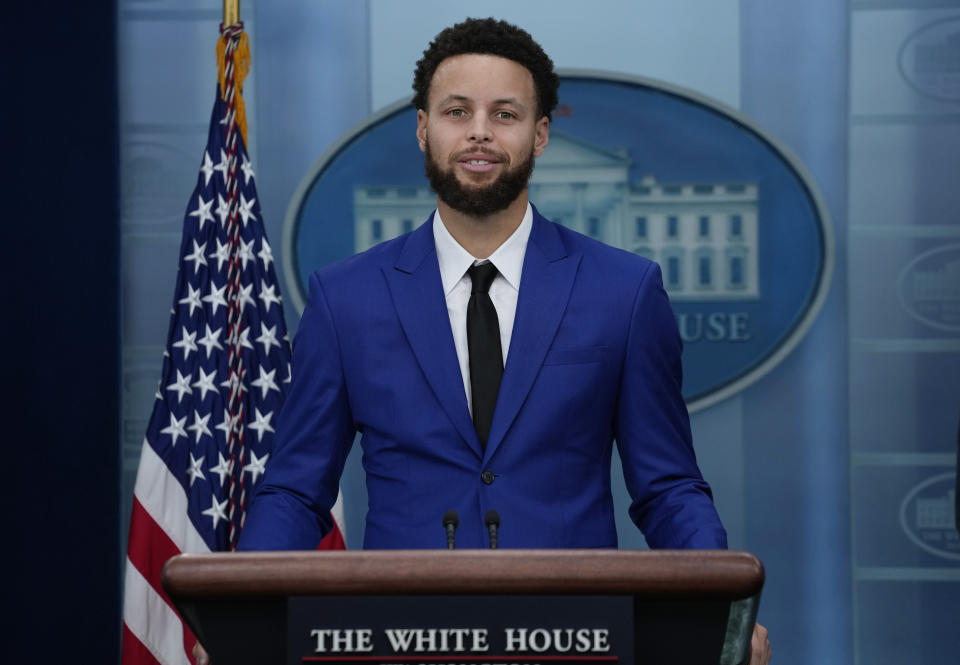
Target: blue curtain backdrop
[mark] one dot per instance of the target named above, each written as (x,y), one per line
(830,467)
(61,396)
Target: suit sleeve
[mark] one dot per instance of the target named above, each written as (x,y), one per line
(671,503)
(291,509)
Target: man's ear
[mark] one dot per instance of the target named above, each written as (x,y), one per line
(422,129)
(542,136)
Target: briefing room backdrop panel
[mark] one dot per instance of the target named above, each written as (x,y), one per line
(834,467)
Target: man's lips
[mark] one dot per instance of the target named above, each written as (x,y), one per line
(478,162)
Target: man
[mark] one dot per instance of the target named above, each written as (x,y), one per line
(591,351)
(489,358)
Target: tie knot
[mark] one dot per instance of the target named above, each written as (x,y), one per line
(482,276)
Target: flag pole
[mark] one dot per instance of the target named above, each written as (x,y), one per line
(231,12)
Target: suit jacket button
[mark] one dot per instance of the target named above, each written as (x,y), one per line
(487,477)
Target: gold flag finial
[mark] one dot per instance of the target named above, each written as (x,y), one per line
(231,11)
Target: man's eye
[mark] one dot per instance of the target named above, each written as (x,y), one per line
(505,115)
(456,113)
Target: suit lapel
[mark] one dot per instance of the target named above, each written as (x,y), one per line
(417,292)
(548,276)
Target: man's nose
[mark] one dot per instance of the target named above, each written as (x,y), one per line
(479,130)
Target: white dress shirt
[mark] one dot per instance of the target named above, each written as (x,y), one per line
(455,261)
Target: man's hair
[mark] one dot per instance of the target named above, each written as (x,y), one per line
(492,37)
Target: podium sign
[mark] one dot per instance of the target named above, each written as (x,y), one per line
(470,607)
(461,630)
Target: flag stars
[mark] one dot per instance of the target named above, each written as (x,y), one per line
(215,297)
(231,382)
(175,429)
(242,340)
(199,426)
(181,385)
(192,299)
(246,209)
(265,254)
(234,384)
(188,342)
(222,255)
(257,466)
(217,511)
(202,210)
(194,471)
(268,294)
(247,169)
(227,424)
(207,168)
(205,382)
(266,382)
(262,423)
(223,166)
(268,337)
(244,298)
(197,257)
(211,340)
(223,209)
(222,469)
(246,252)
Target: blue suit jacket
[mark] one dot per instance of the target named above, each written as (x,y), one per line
(594,358)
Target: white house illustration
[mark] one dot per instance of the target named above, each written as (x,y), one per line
(941,283)
(703,235)
(937,513)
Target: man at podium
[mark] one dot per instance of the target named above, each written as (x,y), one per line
(490,358)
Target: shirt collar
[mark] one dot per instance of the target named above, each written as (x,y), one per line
(454,260)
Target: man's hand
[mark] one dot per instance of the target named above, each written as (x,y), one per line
(759,647)
(202,658)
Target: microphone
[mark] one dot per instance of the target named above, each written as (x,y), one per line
(492,520)
(450,523)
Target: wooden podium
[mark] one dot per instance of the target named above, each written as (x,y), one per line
(590,607)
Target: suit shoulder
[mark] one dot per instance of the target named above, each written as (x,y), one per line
(355,269)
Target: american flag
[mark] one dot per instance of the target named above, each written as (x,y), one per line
(225,372)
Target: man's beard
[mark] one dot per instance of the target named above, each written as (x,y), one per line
(480,201)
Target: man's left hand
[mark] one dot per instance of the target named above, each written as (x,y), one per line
(759,646)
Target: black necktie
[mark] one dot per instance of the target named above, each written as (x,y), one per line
(483,344)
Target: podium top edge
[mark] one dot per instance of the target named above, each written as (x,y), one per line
(651,573)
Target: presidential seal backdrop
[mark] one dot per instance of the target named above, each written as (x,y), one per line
(736,224)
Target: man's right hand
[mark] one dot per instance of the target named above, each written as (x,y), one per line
(200,655)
